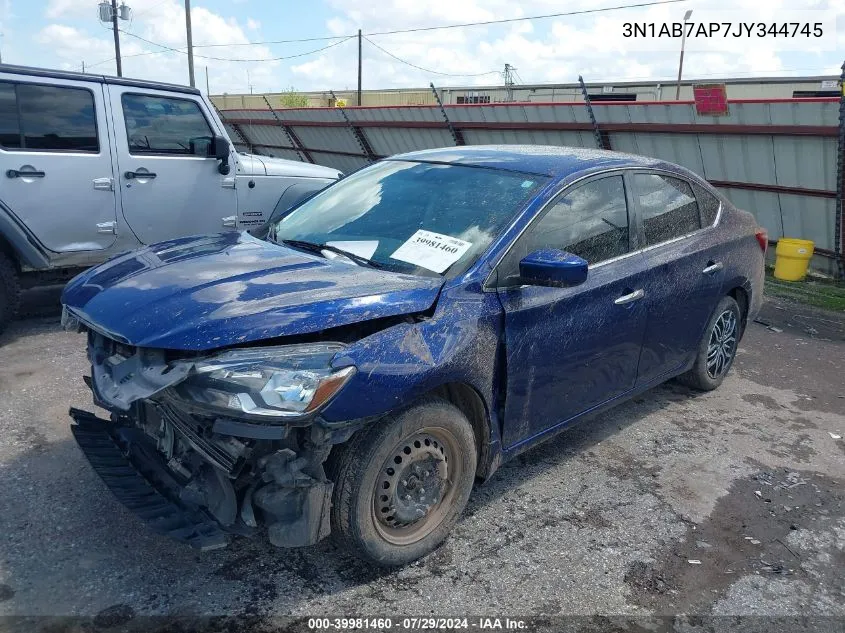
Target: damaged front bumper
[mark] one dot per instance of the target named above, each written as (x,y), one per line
(200,472)
(197,495)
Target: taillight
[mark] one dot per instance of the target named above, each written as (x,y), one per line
(762,239)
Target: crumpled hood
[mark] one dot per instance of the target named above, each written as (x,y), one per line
(213,291)
(253,165)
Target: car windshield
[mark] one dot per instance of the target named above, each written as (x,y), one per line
(410,217)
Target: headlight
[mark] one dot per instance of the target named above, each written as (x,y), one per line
(270,382)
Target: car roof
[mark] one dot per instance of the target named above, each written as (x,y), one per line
(122,81)
(545,160)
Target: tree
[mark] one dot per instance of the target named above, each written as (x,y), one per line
(293,99)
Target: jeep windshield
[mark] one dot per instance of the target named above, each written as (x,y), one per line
(410,217)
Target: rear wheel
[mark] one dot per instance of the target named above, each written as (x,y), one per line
(402,483)
(717,348)
(10,290)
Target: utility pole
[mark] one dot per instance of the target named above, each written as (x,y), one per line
(359,66)
(681,62)
(110,13)
(508,75)
(190,43)
(116,37)
(207,89)
(83,65)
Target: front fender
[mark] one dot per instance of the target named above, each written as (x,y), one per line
(401,363)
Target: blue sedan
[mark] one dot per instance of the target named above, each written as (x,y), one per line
(400,335)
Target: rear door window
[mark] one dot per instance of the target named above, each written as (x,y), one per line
(51,118)
(667,207)
(10,125)
(165,125)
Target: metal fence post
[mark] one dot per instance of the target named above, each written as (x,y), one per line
(357,132)
(293,139)
(596,131)
(839,219)
(456,134)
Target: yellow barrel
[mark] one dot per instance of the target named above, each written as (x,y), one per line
(793,258)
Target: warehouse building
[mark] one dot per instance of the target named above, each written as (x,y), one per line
(737,88)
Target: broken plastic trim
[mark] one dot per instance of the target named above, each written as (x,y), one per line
(262,384)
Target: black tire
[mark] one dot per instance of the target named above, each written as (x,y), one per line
(10,291)
(708,372)
(431,443)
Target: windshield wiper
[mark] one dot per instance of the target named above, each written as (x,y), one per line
(316,248)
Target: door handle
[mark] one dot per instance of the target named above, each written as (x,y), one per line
(633,296)
(712,268)
(129,175)
(14,173)
(103,184)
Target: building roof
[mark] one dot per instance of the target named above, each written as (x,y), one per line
(532,159)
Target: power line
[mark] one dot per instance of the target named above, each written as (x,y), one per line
(305,39)
(456,26)
(433,72)
(533,17)
(227,59)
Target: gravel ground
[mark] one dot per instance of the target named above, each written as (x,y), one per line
(729,502)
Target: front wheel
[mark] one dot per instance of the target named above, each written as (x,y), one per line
(717,348)
(402,483)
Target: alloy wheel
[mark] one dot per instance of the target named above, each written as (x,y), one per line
(722,345)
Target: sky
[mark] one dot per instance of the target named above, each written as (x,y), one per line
(65,34)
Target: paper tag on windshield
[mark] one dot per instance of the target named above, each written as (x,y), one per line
(431,250)
(361,248)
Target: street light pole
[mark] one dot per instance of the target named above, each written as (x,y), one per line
(681,63)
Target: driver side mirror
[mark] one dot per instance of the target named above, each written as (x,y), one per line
(220,149)
(551,267)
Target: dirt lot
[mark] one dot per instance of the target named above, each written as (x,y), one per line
(731,502)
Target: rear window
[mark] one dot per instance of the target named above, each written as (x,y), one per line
(667,206)
(52,118)
(10,127)
(708,204)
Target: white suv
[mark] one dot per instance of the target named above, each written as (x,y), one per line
(91,166)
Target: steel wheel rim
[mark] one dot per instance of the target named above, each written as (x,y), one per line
(722,345)
(435,451)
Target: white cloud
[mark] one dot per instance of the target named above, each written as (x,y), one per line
(551,50)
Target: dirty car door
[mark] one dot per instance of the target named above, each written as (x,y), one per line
(571,349)
(686,272)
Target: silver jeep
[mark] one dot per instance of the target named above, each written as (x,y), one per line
(91,166)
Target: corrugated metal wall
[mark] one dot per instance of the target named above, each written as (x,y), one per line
(775,158)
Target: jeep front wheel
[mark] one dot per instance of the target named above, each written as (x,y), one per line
(402,483)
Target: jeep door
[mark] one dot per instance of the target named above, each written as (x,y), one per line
(169,185)
(55,161)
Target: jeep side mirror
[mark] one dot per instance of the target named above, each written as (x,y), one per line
(220,149)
